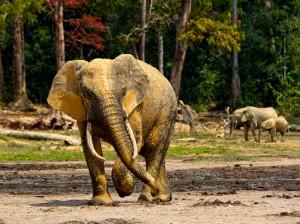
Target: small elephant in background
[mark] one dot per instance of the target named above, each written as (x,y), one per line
(252,117)
(279,124)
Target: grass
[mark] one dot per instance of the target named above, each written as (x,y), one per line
(204,146)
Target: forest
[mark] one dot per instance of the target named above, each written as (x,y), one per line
(215,53)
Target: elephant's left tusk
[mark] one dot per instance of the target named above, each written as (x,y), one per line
(132,138)
(90,143)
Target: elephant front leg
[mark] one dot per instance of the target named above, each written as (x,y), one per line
(101,195)
(246,132)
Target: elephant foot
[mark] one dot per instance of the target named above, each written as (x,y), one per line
(165,197)
(145,198)
(101,200)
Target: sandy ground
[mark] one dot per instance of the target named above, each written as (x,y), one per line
(260,192)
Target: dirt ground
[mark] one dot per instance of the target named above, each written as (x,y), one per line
(203,192)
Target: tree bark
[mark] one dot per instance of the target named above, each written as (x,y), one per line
(1,78)
(181,47)
(21,101)
(59,34)
(271,31)
(235,79)
(161,53)
(41,136)
(143,29)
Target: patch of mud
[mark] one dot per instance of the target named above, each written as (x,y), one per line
(218,180)
(106,221)
(219,193)
(218,202)
(285,196)
(288,214)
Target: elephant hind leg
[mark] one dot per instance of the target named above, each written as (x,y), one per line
(154,152)
(165,194)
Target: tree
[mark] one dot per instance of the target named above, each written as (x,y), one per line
(85,31)
(20,12)
(235,78)
(143,29)
(181,46)
(3,15)
(57,8)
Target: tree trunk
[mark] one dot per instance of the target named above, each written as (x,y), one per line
(271,32)
(181,47)
(235,79)
(161,53)
(143,29)
(1,78)
(59,34)
(21,101)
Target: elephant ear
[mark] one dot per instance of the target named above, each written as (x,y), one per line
(64,94)
(249,116)
(134,81)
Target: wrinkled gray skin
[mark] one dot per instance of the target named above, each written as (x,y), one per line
(111,99)
(252,117)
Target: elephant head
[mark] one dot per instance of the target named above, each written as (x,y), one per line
(103,93)
(249,116)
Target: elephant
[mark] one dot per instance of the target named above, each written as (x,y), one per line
(279,124)
(252,117)
(128,104)
(235,119)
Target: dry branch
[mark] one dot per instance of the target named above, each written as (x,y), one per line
(41,136)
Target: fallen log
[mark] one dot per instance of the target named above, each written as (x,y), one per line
(68,140)
(294,127)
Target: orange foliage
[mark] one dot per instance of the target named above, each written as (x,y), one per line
(85,32)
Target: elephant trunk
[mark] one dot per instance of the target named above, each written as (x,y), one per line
(115,119)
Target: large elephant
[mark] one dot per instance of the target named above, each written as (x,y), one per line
(128,104)
(235,119)
(252,117)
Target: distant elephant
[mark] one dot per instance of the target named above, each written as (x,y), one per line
(235,119)
(253,117)
(279,124)
(128,104)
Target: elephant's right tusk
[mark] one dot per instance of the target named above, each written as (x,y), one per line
(90,143)
(132,138)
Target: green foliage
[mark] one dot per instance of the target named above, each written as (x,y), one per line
(219,35)
(25,11)
(268,77)
(39,54)
(3,33)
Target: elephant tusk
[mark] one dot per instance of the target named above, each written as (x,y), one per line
(132,138)
(90,143)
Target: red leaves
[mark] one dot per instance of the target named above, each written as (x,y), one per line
(74,4)
(85,31)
